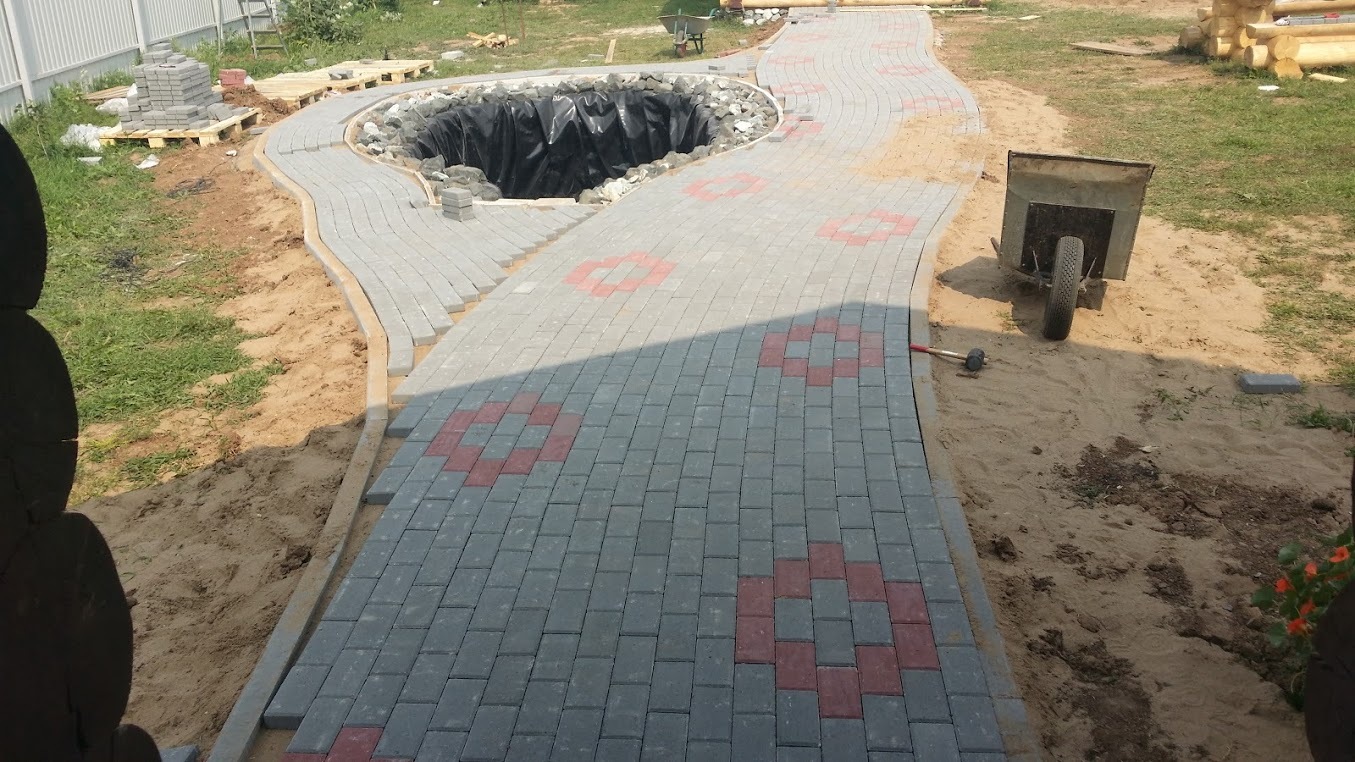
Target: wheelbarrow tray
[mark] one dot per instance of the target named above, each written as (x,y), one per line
(686,23)
(1050,196)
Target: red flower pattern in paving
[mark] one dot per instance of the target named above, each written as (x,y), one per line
(483,472)
(889,45)
(852,230)
(933,103)
(727,186)
(904,70)
(791,60)
(800,128)
(870,353)
(840,689)
(585,277)
(810,37)
(799,88)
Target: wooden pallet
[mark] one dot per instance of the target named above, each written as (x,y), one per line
(206,136)
(103,96)
(304,88)
(391,72)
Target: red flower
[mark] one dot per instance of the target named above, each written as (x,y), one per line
(1297,626)
(1282,586)
(1341,554)
(1307,608)
(1310,570)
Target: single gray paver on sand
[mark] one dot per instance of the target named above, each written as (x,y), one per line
(662,495)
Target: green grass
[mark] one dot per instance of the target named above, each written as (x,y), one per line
(1229,158)
(565,34)
(111,244)
(148,469)
(242,389)
(1320,417)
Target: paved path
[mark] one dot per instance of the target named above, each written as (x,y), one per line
(663,494)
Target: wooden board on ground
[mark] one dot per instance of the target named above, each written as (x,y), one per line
(304,88)
(1326,78)
(390,72)
(206,136)
(103,96)
(1106,47)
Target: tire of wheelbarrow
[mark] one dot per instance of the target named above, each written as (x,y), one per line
(1058,310)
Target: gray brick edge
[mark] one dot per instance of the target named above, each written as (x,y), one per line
(1018,737)
(237,736)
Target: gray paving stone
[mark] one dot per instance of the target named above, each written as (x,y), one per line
(870,623)
(712,713)
(618,750)
(577,737)
(642,614)
(797,718)
(665,737)
(599,635)
(976,725)
(530,748)
(541,707)
(798,754)
(829,598)
(627,707)
(376,700)
(677,637)
(886,723)
(843,740)
(349,672)
(963,670)
(709,751)
(935,741)
(671,689)
(317,732)
(457,706)
(950,624)
(475,658)
(588,685)
(294,696)
(794,619)
(441,746)
(490,734)
(925,696)
(404,731)
(754,737)
(634,659)
(427,679)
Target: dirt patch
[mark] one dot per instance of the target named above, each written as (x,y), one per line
(269,110)
(211,557)
(1145,496)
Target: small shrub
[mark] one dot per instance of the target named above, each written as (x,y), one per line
(328,21)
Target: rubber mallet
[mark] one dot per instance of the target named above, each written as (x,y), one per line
(973,362)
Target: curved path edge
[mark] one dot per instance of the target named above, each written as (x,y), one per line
(242,725)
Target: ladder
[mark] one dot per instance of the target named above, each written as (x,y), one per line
(261,22)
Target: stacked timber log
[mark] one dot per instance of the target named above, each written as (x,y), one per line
(1282,36)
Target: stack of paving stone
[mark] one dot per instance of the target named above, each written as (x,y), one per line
(174,92)
(458,204)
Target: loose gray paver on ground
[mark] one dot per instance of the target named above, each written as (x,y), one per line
(662,495)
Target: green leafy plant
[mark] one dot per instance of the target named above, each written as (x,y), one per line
(329,21)
(1301,595)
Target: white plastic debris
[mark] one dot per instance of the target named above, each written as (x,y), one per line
(86,135)
(232,153)
(1028,18)
(131,91)
(112,107)
(150,162)
(91,159)
(1268,88)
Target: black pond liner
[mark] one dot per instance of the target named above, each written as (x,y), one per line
(565,144)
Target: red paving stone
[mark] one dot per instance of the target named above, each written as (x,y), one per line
(524,402)
(801,332)
(754,640)
(791,579)
(907,603)
(825,561)
(354,745)
(556,449)
(819,376)
(846,367)
(795,367)
(851,333)
(567,424)
(839,693)
(755,597)
(543,415)
(491,412)
(825,325)
(484,474)
(520,462)
(463,458)
(878,668)
(915,647)
(865,582)
(795,670)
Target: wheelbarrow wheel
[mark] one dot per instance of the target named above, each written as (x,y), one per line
(1058,310)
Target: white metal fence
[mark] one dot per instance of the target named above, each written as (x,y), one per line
(48,42)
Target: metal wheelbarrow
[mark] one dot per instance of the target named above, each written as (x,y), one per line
(1068,225)
(686,30)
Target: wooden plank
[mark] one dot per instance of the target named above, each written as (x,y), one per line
(1326,78)
(1106,47)
(611,51)
(206,136)
(102,96)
